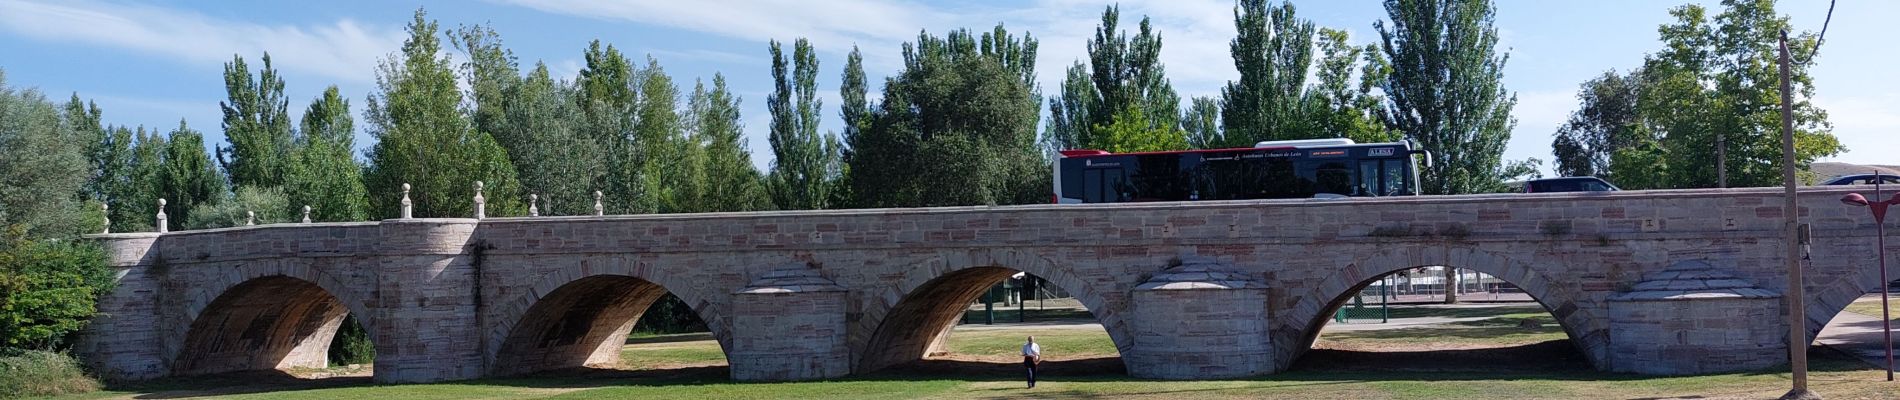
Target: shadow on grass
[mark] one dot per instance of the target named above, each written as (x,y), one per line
(1553,360)
(1491,330)
(1030,315)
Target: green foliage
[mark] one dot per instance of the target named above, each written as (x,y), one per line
(33,373)
(731,183)
(323,173)
(669,315)
(1606,121)
(804,162)
(1338,107)
(1201,122)
(424,140)
(269,204)
(1445,90)
(43,167)
(186,177)
(1131,131)
(1710,101)
(256,125)
(1123,83)
(956,127)
(671,170)
(47,288)
(607,97)
(351,345)
(1273,49)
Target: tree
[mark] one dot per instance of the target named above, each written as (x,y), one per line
(1272,49)
(424,140)
(323,172)
(801,170)
(1126,78)
(1445,90)
(956,127)
(1201,122)
(1131,131)
(1341,108)
(246,204)
(48,288)
(732,184)
(1606,121)
(558,160)
(1709,103)
(187,178)
(43,167)
(669,159)
(607,97)
(256,125)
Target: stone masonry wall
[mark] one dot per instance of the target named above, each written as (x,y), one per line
(440,295)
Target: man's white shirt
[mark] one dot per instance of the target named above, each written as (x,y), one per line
(1032,350)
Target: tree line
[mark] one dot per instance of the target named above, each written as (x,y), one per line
(960,123)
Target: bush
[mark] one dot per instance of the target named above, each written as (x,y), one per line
(270,204)
(47,289)
(42,373)
(351,345)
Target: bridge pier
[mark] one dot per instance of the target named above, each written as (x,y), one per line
(789,325)
(1693,318)
(428,300)
(1200,320)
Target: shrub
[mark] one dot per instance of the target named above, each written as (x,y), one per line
(47,289)
(41,373)
(351,345)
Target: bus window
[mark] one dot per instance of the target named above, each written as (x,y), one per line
(1368,178)
(1395,178)
(1333,177)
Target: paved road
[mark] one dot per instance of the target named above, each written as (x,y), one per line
(1859,335)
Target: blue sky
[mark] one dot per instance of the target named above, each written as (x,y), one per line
(153,63)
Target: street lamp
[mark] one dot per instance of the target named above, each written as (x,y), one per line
(1880,231)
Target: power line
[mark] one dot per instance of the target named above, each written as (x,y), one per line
(1823,36)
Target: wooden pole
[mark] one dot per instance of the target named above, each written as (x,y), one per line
(1797,318)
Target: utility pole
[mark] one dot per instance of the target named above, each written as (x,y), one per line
(1797,319)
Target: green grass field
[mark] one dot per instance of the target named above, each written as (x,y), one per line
(980,367)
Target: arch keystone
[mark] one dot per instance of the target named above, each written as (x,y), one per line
(1200,319)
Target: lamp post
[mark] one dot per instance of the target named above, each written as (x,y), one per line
(1880,232)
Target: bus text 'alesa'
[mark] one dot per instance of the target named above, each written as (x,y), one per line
(1270,170)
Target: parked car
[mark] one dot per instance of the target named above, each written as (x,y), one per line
(1568,184)
(1862,179)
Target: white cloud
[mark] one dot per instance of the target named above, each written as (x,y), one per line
(1538,114)
(343,50)
(706,55)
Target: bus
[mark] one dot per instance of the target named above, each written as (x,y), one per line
(1292,169)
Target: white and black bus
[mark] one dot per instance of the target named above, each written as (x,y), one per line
(1290,169)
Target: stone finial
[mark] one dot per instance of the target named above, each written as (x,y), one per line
(408,207)
(306,213)
(105,212)
(250,218)
(481,203)
(162,219)
(534,205)
(598,210)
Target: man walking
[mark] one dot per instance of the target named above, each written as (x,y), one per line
(1032,355)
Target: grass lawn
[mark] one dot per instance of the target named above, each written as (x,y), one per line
(1872,308)
(980,367)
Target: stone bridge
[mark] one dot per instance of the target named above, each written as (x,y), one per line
(1667,282)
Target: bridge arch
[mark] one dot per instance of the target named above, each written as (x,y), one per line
(907,321)
(1589,332)
(581,314)
(263,315)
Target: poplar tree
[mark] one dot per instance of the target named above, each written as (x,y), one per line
(423,138)
(1127,89)
(186,177)
(732,184)
(257,127)
(324,173)
(1272,49)
(804,159)
(1446,90)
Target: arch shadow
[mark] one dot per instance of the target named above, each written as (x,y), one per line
(271,317)
(918,313)
(1338,288)
(570,320)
